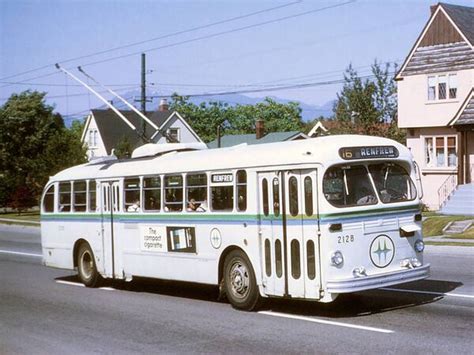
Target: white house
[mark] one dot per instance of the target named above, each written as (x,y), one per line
(435,104)
(104,129)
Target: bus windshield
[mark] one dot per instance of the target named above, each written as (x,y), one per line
(392,182)
(345,186)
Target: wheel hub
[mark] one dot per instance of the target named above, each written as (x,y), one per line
(87,265)
(239,280)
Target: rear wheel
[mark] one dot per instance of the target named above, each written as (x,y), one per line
(239,282)
(86,267)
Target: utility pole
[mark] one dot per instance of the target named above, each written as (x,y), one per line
(143,99)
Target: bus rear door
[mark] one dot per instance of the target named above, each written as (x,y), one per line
(110,206)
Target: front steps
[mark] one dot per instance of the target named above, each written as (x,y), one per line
(461,201)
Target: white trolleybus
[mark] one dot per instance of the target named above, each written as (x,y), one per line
(307,219)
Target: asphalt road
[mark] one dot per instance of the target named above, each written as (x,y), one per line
(44,310)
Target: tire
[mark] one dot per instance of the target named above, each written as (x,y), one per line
(239,282)
(86,268)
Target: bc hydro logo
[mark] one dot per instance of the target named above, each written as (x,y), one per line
(382,251)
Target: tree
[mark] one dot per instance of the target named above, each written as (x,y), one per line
(34,144)
(369,106)
(239,119)
(123,148)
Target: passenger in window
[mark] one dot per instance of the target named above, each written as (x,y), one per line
(135,207)
(194,206)
(365,197)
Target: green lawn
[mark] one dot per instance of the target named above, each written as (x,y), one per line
(433,225)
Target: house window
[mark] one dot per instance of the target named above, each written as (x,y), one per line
(173,135)
(440,151)
(442,87)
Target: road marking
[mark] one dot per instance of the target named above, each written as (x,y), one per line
(20,253)
(107,288)
(322,321)
(70,283)
(428,292)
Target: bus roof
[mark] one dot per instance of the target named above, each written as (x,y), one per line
(321,150)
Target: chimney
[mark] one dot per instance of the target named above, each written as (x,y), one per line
(163,105)
(259,128)
(433,8)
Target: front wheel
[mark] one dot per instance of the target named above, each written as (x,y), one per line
(239,282)
(86,267)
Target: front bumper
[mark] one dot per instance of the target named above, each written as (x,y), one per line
(377,281)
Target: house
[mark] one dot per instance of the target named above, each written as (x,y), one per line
(435,103)
(258,138)
(318,130)
(104,130)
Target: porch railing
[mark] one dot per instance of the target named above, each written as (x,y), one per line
(446,190)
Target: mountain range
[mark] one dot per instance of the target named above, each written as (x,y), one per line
(308,111)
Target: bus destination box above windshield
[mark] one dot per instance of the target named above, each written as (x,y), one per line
(352,153)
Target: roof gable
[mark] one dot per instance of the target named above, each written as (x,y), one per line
(440,31)
(444,44)
(113,129)
(465,114)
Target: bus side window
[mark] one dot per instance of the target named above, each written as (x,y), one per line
(80,195)
(132,194)
(308,196)
(265,196)
(48,200)
(293,191)
(64,197)
(222,198)
(173,193)
(196,193)
(92,196)
(152,193)
(276,197)
(241,190)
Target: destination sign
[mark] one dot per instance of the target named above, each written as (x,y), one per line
(373,152)
(221,178)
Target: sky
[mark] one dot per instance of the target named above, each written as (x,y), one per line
(201,46)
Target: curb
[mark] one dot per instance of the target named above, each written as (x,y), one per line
(19,221)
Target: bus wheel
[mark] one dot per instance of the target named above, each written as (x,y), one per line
(239,282)
(86,266)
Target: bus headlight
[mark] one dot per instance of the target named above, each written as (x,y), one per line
(419,246)
(337,259)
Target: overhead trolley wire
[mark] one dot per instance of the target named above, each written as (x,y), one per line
(192,29)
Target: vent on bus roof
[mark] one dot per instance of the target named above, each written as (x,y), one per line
(152,149)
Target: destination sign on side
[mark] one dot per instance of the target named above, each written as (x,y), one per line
(373,152)
(221,178)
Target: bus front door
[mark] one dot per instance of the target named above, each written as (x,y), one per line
(110,205)
(289,233)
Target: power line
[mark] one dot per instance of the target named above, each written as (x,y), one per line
(212,35)
(192,29)
(269,89)
(54,85)
(284,18)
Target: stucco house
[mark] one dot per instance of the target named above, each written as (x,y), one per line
(104,129)
(436,105)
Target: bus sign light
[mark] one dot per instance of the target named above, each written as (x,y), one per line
(371,152)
